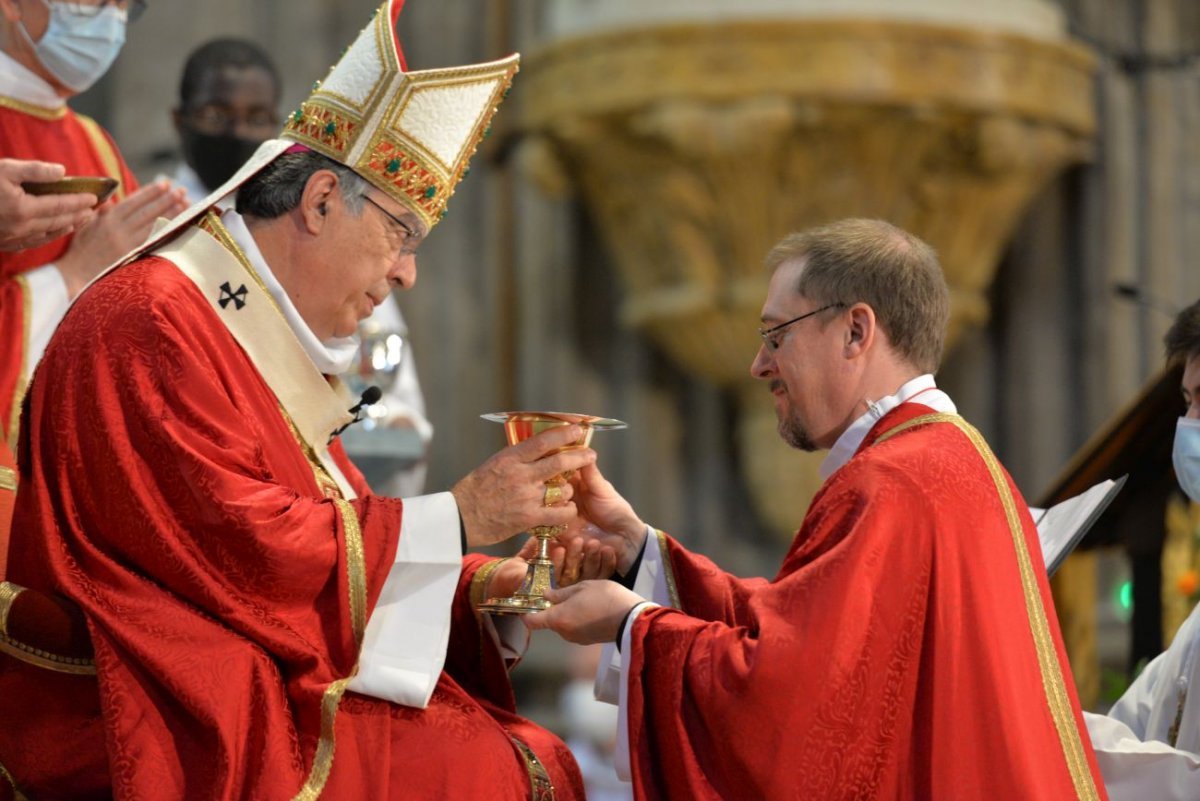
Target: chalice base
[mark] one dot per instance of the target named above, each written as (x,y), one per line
(530,597)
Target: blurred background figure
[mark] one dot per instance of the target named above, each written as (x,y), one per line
(590,728)
(228,106)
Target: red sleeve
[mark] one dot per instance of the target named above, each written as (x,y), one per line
(704,590)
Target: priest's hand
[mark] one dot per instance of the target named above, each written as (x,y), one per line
(118,228)
(588,612)
(573,563)
(27,221)
(605,517)
(507,494)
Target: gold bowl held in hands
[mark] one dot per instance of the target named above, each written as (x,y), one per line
(518,427)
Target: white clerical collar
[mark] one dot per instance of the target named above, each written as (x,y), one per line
(19,83)
(333,356)
(850,440)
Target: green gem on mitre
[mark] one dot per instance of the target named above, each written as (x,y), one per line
(298,116)
(430,191)
(393,165)
(487,132)
(330,128)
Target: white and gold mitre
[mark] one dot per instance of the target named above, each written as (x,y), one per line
(410,134)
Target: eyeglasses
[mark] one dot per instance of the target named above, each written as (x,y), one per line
(773,337)
(133,8)
(213,119)
(409,233)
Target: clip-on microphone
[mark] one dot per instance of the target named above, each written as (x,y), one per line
(370,396)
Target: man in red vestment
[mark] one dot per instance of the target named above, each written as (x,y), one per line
(49,52)
(907,648)
(263,626)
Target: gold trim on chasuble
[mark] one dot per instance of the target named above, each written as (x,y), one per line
(22,385)
(104,148)
(8,479)
(260,328)
(668,572)
(541,788)
(17,795)
(41,112)
(1057,698)
(27,653)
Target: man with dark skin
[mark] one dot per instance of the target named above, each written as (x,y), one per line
(228,97)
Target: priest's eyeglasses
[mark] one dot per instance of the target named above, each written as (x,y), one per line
(410,235)
(133,8)
(773,337)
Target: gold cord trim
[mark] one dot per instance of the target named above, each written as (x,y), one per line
(323,761)
(541,788)
(46,660)
(480,580)
(668,573)
(356,569)
(8,479)
(17,795)
(14,414)
(1055,689)
(41,112)
(8,594)
(108,156)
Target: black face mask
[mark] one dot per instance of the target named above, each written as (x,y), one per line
(215,158)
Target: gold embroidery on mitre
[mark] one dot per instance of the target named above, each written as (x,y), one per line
(377,136)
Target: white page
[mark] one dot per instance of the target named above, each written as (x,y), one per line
(1059,527)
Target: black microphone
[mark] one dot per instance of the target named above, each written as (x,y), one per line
(369,397)
(1136,294)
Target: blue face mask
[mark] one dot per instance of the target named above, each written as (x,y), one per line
(78,47)
(1186,456)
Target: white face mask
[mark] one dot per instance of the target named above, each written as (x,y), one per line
(78,46)
(1186,456)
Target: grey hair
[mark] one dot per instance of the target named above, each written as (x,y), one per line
(277,189)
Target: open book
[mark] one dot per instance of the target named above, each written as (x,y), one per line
(1062,526)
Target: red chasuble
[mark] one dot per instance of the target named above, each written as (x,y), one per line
(78,143)
(907,649)
(225,580)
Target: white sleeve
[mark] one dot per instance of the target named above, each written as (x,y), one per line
(1134,770)
(48,302)
(651,584)
(404,646)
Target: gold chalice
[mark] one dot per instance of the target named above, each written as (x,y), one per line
(518,427)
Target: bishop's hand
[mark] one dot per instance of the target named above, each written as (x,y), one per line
(507,494)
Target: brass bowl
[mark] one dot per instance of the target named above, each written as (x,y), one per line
(99,185)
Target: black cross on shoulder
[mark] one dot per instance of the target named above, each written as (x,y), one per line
(238,296)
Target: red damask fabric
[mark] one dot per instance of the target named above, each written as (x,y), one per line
(64,141)
(182,517)
(892,657)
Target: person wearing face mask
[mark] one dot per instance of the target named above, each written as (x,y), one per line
(228,97)
(49,52)
(1148,745)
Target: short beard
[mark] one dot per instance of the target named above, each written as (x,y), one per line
(794,434)
(792,430)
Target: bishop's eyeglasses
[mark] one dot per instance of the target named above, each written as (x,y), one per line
(773,337)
